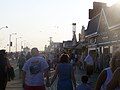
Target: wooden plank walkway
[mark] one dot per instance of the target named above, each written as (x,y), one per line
(14,85)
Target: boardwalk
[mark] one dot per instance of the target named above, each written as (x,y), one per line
(17,83)
(14,85)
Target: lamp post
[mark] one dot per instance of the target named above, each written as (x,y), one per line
(10,42)
(16,42)
(3,27)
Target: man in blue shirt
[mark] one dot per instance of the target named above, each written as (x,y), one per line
(34,71)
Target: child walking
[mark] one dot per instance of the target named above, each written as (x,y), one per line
(84,85)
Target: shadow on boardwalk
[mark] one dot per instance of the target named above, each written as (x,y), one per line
(14,85)
(17,83)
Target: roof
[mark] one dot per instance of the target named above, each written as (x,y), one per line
(67,43)
(80,45)
(113,15)
(93,25)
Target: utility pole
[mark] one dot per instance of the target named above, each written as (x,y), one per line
(10,42)
(16,42)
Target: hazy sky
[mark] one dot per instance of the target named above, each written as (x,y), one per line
(37,20)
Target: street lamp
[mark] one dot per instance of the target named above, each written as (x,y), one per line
(10,42)
(3,27)
(16,42)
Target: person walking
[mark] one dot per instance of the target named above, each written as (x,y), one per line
(3,69)
(21,61)
(106,75)
(84,85)
(65,73)
(28,56)
(89,64)
(82,58)
(34,71)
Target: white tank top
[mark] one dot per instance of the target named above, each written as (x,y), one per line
(108,78)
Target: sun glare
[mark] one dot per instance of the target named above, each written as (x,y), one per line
(111,2)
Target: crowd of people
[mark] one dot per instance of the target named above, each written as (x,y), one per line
(34,70)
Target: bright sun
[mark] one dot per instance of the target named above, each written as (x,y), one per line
(109,2)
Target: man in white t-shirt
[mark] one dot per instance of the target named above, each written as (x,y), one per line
(34,71)
(89,64)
